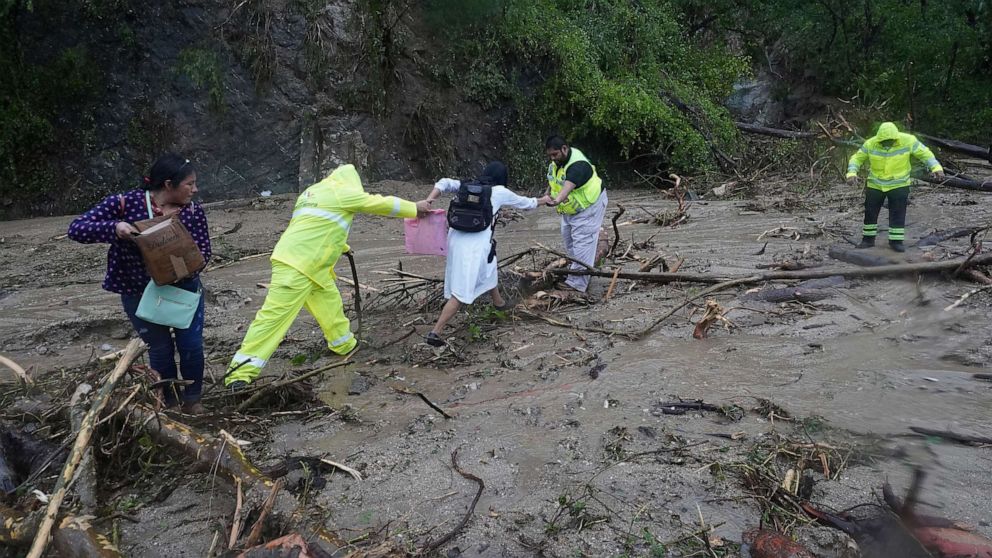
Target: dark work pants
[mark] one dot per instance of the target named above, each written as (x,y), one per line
(898,201)
(162,348)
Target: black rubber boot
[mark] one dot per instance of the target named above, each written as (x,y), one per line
(237,385)
(897,245)
(867,242)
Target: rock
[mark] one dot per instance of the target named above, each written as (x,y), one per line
(106,347)
(359,385)
(723,189)
(42,349)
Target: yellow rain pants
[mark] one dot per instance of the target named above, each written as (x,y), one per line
(289,291)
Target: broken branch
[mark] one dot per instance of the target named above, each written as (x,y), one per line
(131,352)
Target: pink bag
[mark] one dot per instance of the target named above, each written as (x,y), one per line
(427,235)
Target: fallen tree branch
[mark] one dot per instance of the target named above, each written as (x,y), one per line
(423,398)
(239,260)
(256,529)
(431,547)
(85,477)
(959,146)
(985,185)
(131,352)
(616,232)
(289,381)
(877,271)
(966,439)
(17,370)
(218,454)
(937,237)
(775,132)
(354,474)
(642,332)
(569,258)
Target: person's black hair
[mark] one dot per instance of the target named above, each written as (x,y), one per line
(495,174)
(554,142)
(168,167)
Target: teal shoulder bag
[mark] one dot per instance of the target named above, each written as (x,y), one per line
(167,305)
(164,304)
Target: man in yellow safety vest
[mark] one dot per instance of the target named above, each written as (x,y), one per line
(578,195)
(889,154)
(303,269)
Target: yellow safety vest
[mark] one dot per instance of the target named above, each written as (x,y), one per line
(889,169)
(317,234)
(583,195)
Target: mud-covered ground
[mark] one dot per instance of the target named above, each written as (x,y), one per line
(564,426)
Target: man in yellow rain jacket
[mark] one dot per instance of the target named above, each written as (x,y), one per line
(303,269)
(889,154)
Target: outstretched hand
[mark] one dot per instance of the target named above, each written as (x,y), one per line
(939,175)
(424,207)
(546,200)
(853,180)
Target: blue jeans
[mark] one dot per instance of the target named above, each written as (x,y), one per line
(162,348)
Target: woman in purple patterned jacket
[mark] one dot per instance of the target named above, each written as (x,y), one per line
(167,190)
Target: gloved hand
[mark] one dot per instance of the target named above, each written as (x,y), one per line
(939,175)
(853,180)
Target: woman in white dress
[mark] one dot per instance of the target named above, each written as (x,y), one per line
(469,271)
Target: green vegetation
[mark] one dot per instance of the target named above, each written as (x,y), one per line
(203,68)
(926,63)
(623,75)
(634,79)
(258,49)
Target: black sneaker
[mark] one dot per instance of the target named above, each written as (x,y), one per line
(434,340)
(897,245)
(237,385)
(867,242)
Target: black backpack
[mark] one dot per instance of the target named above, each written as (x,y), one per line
(471,210)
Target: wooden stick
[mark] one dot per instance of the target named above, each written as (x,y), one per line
(569,258)
(17,370)
(85,478)
(256,529)
(358,294)
(236,521)
(131,352)
(354,474)
(616,232)
(966,296)
(239,260)
(283,383)
(468,514)
(613,284)
(423,398)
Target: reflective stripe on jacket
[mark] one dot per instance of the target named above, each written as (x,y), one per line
(890,168)
(317,234)
(583,195)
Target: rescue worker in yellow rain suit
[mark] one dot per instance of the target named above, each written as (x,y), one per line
(889,154)
(303,269)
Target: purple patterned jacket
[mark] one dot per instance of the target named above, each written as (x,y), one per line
(125,269)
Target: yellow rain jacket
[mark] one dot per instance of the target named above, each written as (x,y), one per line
(317,234)
(890,168)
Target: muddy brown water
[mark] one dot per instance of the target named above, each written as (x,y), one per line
(872,360)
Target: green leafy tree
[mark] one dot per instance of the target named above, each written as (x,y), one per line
(625,75)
